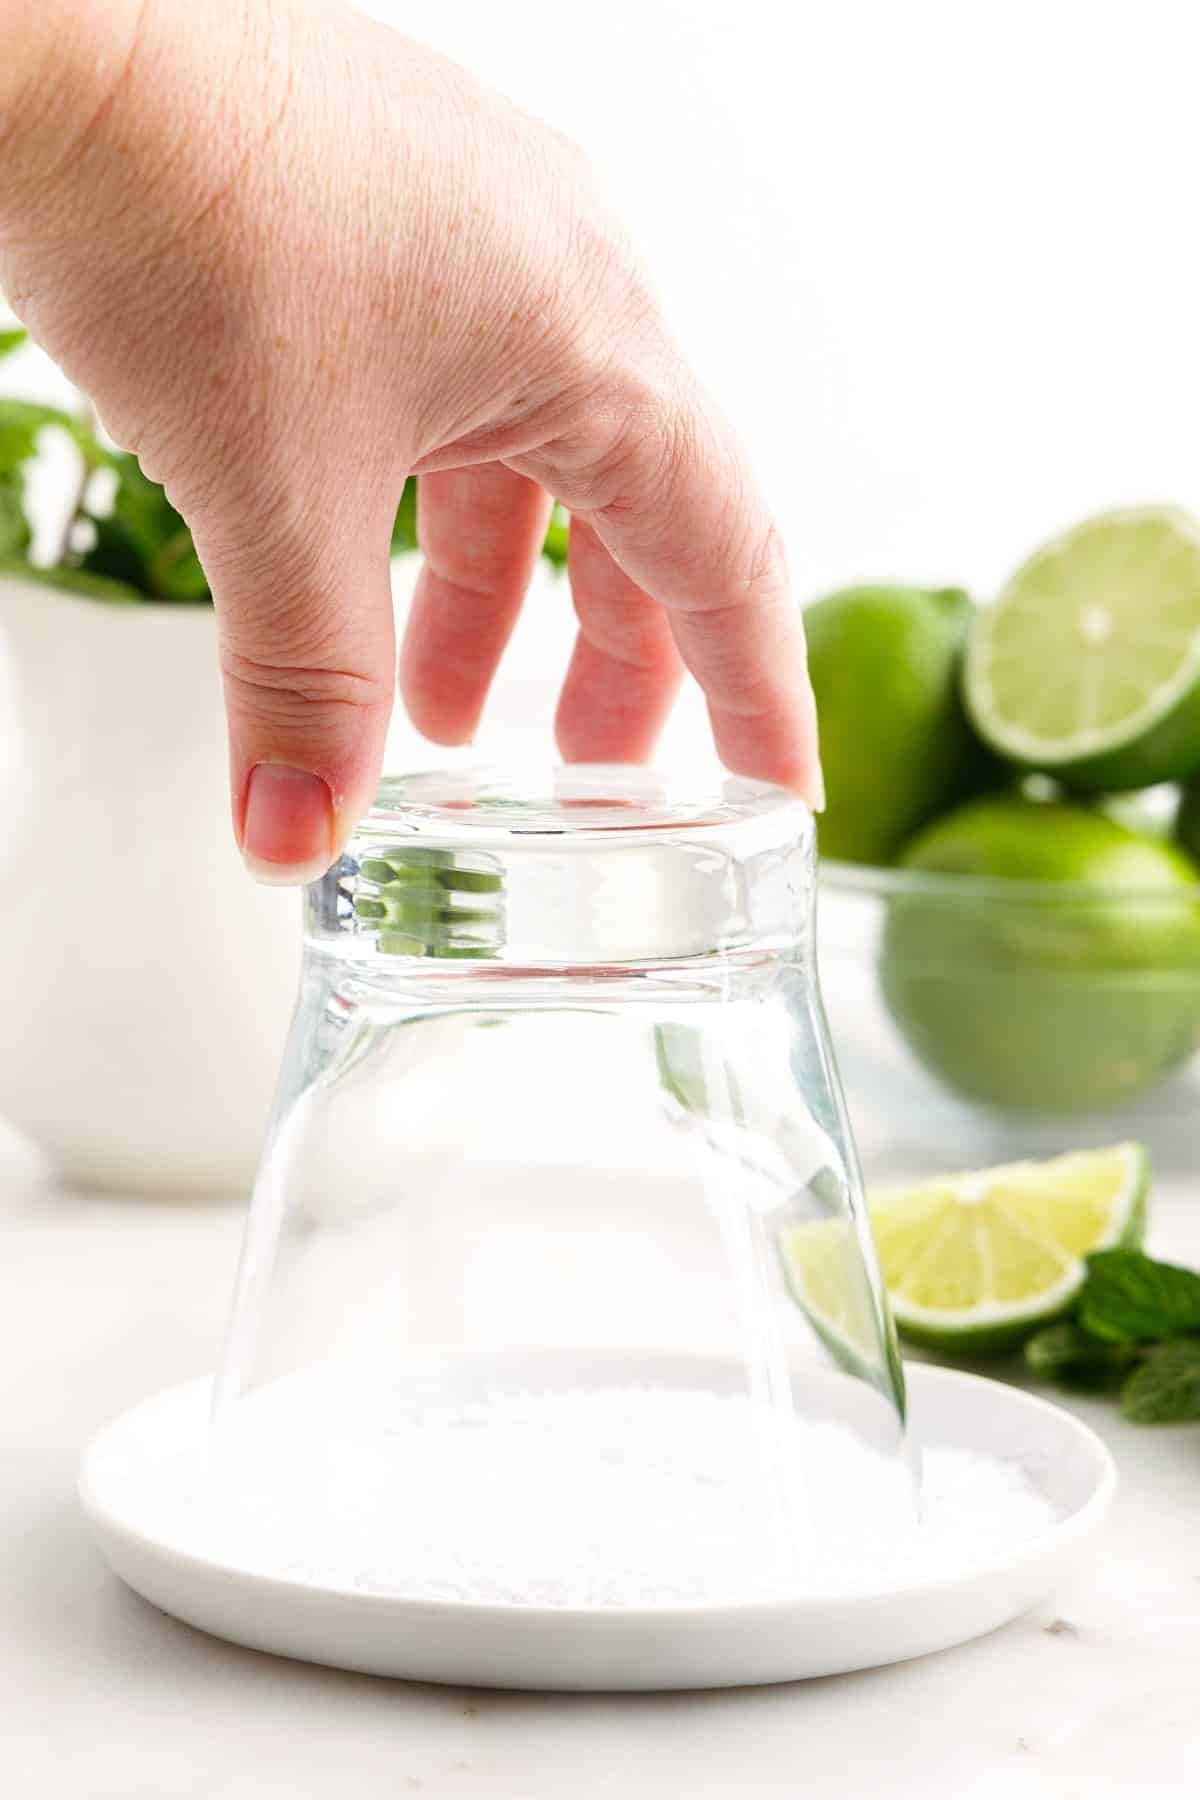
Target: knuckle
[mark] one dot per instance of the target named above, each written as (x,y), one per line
(632,463)
(626,458)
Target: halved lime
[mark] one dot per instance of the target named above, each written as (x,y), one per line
(974,1263)
(1088,664)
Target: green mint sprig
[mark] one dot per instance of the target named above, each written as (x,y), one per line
(1135,1329)
(1129,1298)
(21,425)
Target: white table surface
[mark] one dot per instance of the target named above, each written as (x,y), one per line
(104,1299)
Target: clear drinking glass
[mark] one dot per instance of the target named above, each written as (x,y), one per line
(556,1285)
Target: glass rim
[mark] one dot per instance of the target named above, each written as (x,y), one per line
(493,805)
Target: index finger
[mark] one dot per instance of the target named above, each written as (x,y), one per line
(672,498)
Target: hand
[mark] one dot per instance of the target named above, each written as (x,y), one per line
(293,256)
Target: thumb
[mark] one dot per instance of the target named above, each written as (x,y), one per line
(308,663)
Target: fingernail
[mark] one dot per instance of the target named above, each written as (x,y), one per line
(287,833)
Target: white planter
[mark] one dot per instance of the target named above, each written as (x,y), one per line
(146,982)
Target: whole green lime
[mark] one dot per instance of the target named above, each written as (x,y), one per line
(1060,971)
(1187,820)
(895,743)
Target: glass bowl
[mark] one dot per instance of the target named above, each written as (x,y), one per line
(978,1021)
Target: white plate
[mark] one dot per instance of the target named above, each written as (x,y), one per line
(625,1648)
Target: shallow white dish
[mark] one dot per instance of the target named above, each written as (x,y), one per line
(626,1648)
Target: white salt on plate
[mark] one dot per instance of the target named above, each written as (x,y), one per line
(614,1497)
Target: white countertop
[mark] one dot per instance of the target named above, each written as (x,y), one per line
(107,1299)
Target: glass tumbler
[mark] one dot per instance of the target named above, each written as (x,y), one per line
(556,1286)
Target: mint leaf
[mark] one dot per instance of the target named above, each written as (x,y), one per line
(404,531)
(1073,1357)
(11,339)
(21,423)
(14,529)
(1129,1298)
(1166,1389)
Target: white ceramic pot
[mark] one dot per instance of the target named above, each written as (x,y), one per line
(145,982)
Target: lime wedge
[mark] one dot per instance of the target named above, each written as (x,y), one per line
(1088,664)
(974,1263)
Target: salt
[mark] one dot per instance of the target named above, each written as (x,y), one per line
(614,1497)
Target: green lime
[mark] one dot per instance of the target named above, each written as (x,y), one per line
(1187,820)
(1064,975)
(1088,664)
(974,1263)
(895,744)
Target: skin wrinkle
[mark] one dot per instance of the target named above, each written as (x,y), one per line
(296,622)
(322,686)
(715,612)
(480,591)
(525,444)
(594,477)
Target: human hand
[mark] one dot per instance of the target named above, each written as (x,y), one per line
(292,257)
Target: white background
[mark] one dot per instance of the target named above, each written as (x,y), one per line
(938,258)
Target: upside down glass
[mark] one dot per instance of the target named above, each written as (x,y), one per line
(557,1259)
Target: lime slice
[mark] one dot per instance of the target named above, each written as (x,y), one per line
(1088,664)
(974,1263)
